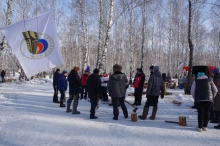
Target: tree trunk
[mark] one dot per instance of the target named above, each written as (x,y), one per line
(103,60)
(143,33)
(190,43)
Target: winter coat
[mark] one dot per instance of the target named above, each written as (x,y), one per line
(139,82)
(84,79)
(62,85)
(74,82)
(2,73)
(117,85)
(94,86)
(203,89)
(104,80)
(155,85)
(217,97)
(56,79)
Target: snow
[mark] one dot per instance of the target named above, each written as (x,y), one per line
(29,117)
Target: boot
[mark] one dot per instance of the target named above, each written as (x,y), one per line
(217,127)
(75,104)
(61,104)
(68,106)
(144,114)
(154,112)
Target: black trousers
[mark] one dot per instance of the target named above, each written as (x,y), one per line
(84,87)
(203,108)
(104,94)
(55,95)
(93,102)
(138,96)
(62,96)
(151,99)
(116,102)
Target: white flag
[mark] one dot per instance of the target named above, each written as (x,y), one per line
(180,63)
(34,42)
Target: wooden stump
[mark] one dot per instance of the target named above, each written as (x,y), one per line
(182,121)
(134,117)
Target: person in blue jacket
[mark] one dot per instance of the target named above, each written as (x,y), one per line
(62,87)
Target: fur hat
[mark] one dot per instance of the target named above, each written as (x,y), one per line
(117,67)
(76,68)
(96,71)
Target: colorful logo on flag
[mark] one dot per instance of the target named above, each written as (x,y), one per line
(36,45)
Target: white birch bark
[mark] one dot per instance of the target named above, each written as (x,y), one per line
(143,32)
(103,60)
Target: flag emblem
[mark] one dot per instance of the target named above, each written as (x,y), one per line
(36,45)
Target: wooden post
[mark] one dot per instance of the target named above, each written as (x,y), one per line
(165,88)
(182,121)
(134,117)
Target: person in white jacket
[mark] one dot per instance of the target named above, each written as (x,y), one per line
(104,81)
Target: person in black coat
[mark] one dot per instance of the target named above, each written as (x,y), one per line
(94,91)
(75,86)
(62,87)
(55,85)
(139,86)
(3,76)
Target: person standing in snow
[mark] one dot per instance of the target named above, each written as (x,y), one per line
(55,85)
(104,80)
(216,106)
(3,76)
(154,90)
(75,86)
(84,80)
(117,86)
(139,86)
(62,86)
(94,91)
(203,91)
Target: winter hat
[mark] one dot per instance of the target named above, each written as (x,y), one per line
(117,67)
(215,71)
(200,74)
(76,68)
(57,70)
(156,68)
(96,71)
(140,70)
(151,67)
(64,72)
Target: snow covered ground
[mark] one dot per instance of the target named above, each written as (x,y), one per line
(28,117)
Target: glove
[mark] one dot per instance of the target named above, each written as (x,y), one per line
(162,96)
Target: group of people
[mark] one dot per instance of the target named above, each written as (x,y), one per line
(206,93)
(97,84)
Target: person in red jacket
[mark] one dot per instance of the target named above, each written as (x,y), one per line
(84,80)
(139,86)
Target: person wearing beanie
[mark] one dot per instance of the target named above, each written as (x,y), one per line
(55,85)
(216,106)
(94,91)
(117,86)
(84,79)
(62,87)
(203,91)
(74,90)
(151,69)
(154,90)
(139,86)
